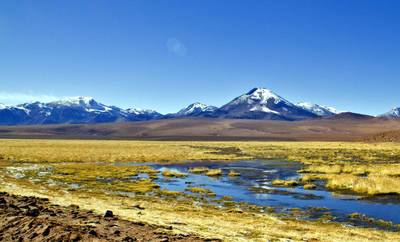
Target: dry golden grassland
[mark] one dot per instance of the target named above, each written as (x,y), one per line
(39,151)
(81,172)
(231,222)
(363,168)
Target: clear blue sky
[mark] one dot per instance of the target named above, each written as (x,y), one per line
(164,55)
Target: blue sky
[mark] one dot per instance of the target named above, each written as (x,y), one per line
(164,55)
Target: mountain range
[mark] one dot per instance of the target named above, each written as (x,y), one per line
(71,111)
(258,103)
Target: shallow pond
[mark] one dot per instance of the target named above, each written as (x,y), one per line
(254,185)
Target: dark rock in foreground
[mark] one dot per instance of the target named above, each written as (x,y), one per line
(35,219)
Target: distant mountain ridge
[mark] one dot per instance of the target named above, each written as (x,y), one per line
(319,110)
(79,110)
(193,110)
(258,103)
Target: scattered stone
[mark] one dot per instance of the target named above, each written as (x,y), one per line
(34,235)
(129,239)
(139,223)
(138,207)
(73,206)
(46,231)
(34,212)
(108,214)
(75,237)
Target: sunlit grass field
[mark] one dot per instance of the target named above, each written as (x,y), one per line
(363,168)
(367,169)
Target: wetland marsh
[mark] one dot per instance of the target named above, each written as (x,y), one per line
(228,190)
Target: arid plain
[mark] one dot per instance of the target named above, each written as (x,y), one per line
(340,127)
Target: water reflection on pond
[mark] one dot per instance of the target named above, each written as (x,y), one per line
(254,185)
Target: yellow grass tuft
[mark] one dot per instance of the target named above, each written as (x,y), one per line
(169,173)
(285,183)
(232,174)
(199,190)
(309,186)
(214,172)
(372,184)
(170,193)
(198,170)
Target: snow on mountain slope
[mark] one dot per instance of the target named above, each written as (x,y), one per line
(138,114)
(259,96)
(394,113)
(263,109)
(138,111)
(11,108)
(71,110)
(195,109)
(261,103)
(319,110)
(77,101)
(86,103)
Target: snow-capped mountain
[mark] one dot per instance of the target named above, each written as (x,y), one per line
(70,111)
(196,109)
(12,114)
(193,110)
(394,113)
(261,103)
(319,110)
(139,114)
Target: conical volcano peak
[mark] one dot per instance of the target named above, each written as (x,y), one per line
(262,95)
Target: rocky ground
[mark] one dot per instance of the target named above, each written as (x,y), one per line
(35,219)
